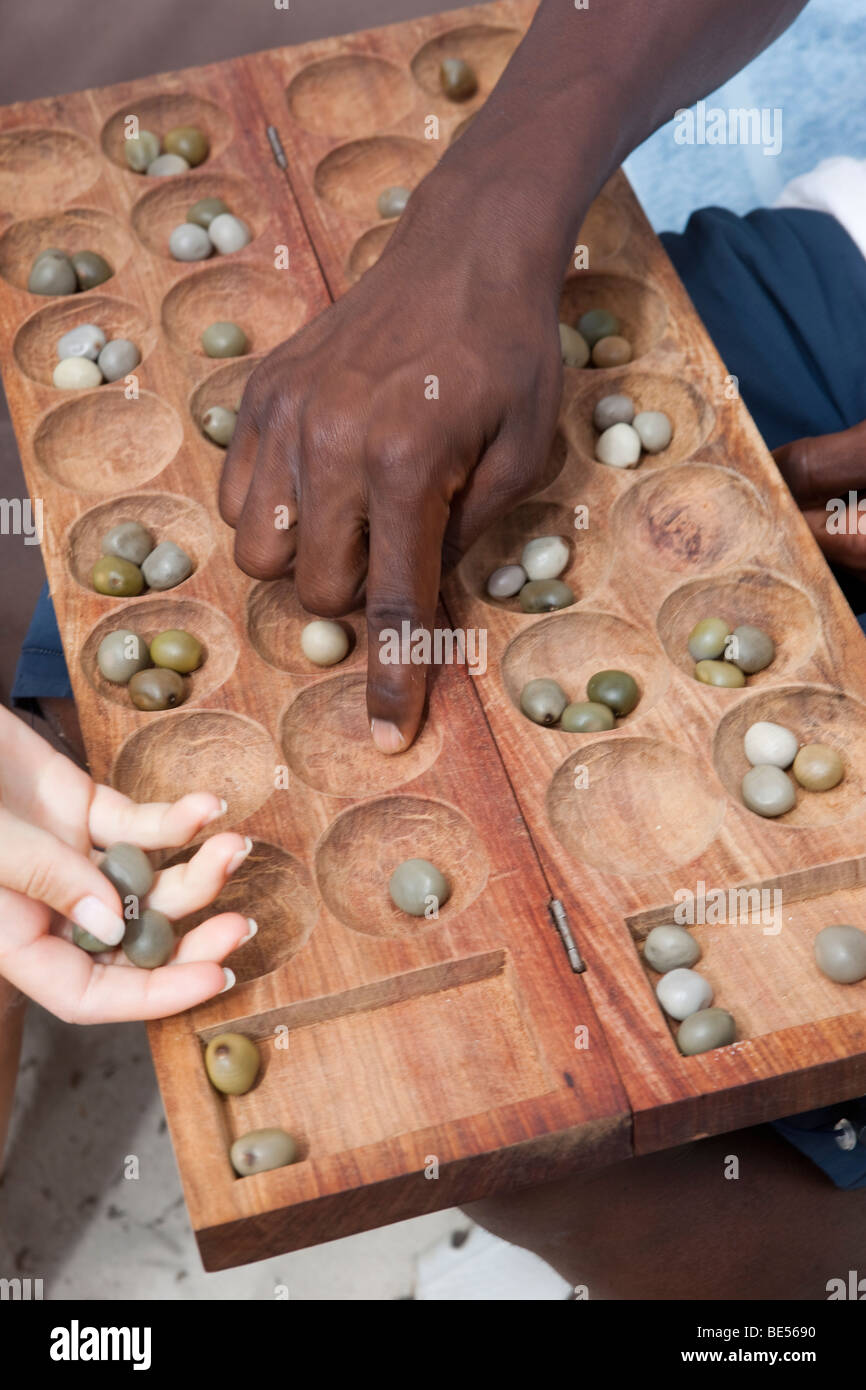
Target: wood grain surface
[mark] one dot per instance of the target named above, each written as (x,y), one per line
(422,1064)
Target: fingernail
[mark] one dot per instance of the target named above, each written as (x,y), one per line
(386,736)
(238,859)
(215,815)
(230,979)
(92,915)
(252,928)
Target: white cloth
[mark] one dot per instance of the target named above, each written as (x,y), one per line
(837,186)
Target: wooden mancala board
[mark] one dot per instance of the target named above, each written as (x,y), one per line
(423,1064)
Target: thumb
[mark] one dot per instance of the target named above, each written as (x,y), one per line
(823,466)
(43,868)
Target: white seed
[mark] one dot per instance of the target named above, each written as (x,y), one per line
(545,557)
(167,164)
(76,374)
(228,233)
(323,642)
(619,446)
(654,429)
(683,992)
(770,744)
(188,242)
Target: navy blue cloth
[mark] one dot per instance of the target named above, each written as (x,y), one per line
(783,295)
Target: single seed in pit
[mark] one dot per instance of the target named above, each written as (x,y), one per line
(229,233)
(707,639)
(457,79)
(118,358)
(165,165)
(545,596)
(156,689)
(769,744)
(120,655)
(596,324)
(76,374)
(324,642)
(128,868)
(705,1030)
(768,791)
(750,648)
(91,269)
(417,886)
(818,767)
(616,689)
(654,429)
(205,210)
(52,273)
(719,673)
(166,566)
(188,142)
(682,992)
(85,340)
(619,446)
(261,1150)
(670,947)
(232,1062)
(141,150)
(224,339)
(587,717)
(613,410)
(545,557)
(128,540)
(116,577)
(149,939)
(218,423)
(573,346)
(840,952)
(543,701)
(176,650)
(507,581)
(391,202)
(613,351)
(189,242)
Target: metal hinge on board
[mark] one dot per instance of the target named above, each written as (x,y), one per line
(276,145)
(559,916)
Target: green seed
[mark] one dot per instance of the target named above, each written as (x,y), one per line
(232,1062)
(840,952)
(205,210)
(52,273)
(596,324)
(545,596)
(91,269)
(87,942)
(416,885)
(707,638)
(120,655)
(704,1030)
(587,717)
(751,648)
(224,339)
(176,650)
(543,701)
(218,424)
(119,578)
(149,939)
(721,673)
(129,869)
(160,689)
(616,689)
(189,142)
(141,150)
(261,1150)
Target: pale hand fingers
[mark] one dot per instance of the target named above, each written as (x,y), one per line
(151,824)
(185,888)
(49,871)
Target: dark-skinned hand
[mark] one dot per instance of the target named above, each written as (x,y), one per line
(822,469)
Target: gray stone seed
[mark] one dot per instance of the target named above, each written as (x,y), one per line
(840,952)
(166,566)
(670,947)
(543,700)
(149,939)
(768,791)
(141,150)
(189,242)
(121,654)
(224,339)
(129,540)
(85,340)
(545,596)
(613,410)
(750,648)
(507,581)
(218,423)
(53,273)
(416,885)
(706,1029)
(128,868)
(392,201)
(229,233)
(118,358)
